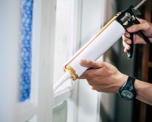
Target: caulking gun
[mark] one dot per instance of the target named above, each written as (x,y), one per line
(101,42)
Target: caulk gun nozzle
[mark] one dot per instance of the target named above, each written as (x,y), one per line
(62,80)
(65,77)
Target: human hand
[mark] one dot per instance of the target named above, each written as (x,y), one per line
(103,76)
(144,26)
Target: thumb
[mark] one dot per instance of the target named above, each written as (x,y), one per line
(89,63)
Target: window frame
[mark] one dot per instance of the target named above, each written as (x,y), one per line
(72,93)
(42,46)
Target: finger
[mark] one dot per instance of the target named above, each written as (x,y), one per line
(96,80)
(138,39)
(88,74)
(129,41)
(126,40)
(125,50)
(90,82)
(140,20)
(84,75)
(93,82)
(90,64)
(96,88)
(137,27)
(126,46)
(126,34)
(103,89)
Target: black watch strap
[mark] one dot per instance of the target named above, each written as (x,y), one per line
(129,86)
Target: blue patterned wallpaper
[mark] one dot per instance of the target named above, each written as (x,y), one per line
(26,49)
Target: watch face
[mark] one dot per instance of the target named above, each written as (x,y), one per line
(127,94)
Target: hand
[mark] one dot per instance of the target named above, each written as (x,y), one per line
(103,76)
(144,26)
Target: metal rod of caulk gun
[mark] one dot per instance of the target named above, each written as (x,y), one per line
(128,15)
(139,4)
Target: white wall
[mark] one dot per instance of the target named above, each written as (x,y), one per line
(9,41)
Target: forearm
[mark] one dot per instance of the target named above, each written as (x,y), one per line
(144,91)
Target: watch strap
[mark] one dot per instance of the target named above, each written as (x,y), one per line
(129,85)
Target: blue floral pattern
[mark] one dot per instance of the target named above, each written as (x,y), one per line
(26,49)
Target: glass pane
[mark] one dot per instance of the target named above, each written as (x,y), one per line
(60,113)
(32,119)
(26,50)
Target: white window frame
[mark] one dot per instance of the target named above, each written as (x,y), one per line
(37,107)
(72,91)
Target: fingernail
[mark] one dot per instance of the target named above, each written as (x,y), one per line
(127,34)
(125,50)
(82,60)
(129,42)
(128,48)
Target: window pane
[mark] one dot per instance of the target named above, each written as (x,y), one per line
(60,113)
(26,49)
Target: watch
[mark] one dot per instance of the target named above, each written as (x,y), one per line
(127,91)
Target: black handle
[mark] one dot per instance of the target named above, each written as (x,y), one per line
(130,52)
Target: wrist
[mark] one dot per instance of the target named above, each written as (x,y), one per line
(122,78)
(139,87)
(143,91)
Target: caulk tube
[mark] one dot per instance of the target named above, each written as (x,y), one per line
(95,49)
(92,50)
